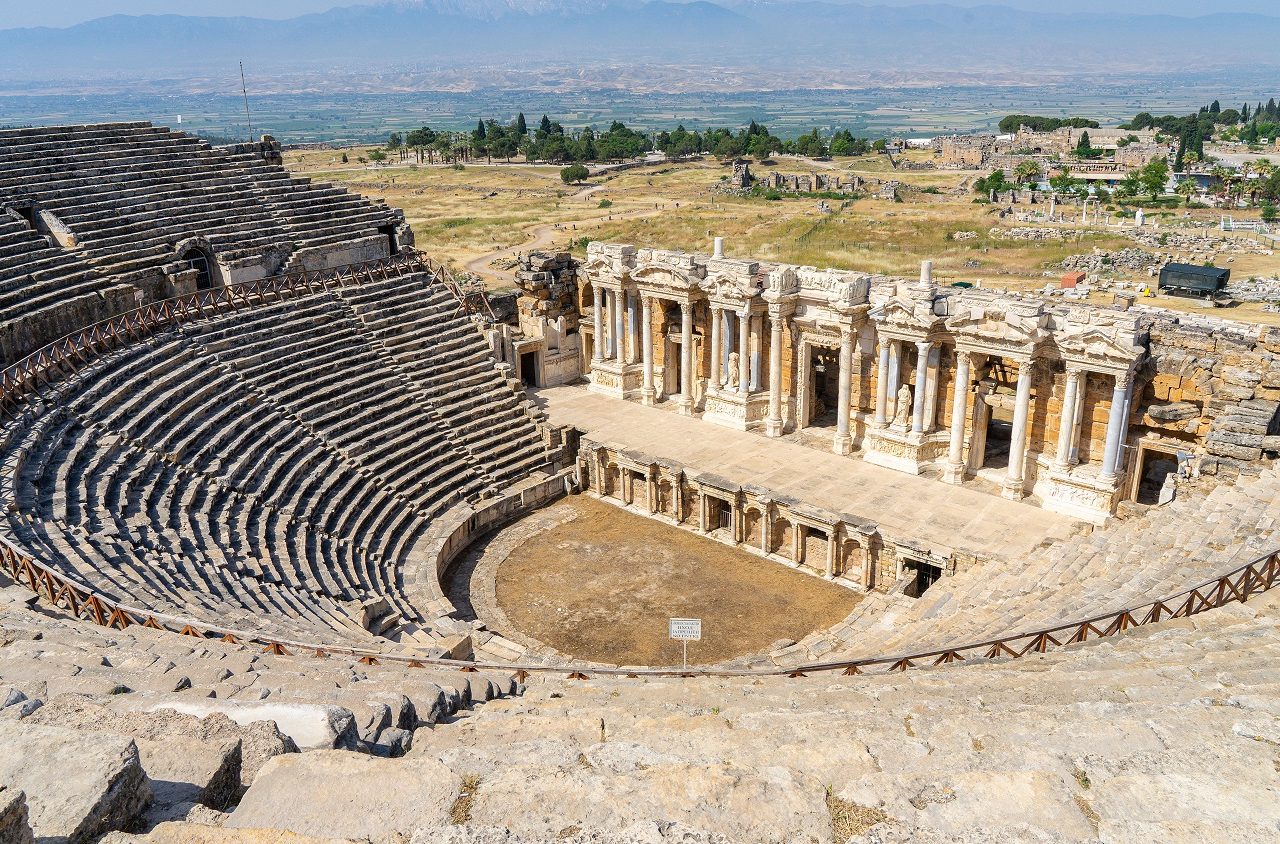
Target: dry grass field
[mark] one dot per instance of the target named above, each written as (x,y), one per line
(478,217)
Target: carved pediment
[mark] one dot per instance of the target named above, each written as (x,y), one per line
(662,274)
(1002,327)
(912,317)
(1097,344)
(735,287)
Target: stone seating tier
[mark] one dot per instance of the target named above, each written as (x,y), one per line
(1192,539)
(130,193)
(270,470)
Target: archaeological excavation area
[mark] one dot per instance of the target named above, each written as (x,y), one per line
(304,538)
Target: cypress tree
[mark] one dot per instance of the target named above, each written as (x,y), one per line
(1215,107)
(1244,113)
(522,128)
(480,130)
(545,126)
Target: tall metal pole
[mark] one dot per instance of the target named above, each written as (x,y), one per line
(245,88)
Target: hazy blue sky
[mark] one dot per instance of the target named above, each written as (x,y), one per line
(15,13)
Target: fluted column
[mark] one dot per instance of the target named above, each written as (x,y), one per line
(923,348)
(773,424)
(597,344)
(882,385)
(895,373)
(716,342)
(954,472)
(1116,424)
(744,354)
(1014,483)
(647,393)
(1067,417)
(686,358)
(618,337)
(844,442)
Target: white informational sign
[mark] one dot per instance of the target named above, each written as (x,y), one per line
(685,629)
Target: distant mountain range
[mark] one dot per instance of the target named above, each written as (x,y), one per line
(835,40)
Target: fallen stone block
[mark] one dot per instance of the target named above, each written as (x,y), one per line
(258,742)
(310,726)
(78,785)
(349,795)
(186,772)
(14,826)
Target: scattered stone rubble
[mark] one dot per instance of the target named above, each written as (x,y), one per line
(1027,233)
(1254,290)
(1101,261)
(1175,242)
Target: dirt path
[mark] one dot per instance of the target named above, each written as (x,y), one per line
(543,235)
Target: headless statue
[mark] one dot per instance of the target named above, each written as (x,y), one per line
(732,381)
(902,413)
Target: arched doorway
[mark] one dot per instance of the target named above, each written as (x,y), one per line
(199,260)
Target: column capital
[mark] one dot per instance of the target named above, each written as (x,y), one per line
(1124,379)
(846,333)
(686,307)
(925,346)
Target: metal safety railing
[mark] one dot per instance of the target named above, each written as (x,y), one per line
(83,603)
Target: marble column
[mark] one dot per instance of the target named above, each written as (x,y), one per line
(882,385)
(1014,485)
(647,394)
(618,337)
(716,342)
(931,395)
(923,349)
(633,332)
(1116,425)
(895,374)
(844,442)
(954,471)
(597,337)
(1067,417)
(773,424)
(833,545)
(686,359)
(744,354)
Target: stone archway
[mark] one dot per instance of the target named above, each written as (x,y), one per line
(753,527)
(780,538)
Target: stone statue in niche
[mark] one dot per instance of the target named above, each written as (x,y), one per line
(732,380)
(902,412)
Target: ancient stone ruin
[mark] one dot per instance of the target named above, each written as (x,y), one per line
(237,496)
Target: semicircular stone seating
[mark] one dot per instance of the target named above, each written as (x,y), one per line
(275,470)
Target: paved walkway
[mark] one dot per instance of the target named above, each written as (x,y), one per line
(941,516)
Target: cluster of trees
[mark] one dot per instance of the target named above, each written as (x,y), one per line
(549,141)
(1013,122)
(1150,179)
(1248,124)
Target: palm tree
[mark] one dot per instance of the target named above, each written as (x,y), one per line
(1186,189)
(1027,171)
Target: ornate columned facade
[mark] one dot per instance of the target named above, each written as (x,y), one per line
(1032,397)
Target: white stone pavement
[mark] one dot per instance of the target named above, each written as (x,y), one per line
(940,516)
